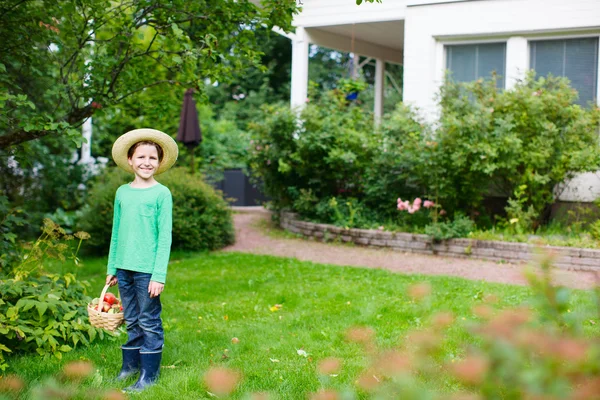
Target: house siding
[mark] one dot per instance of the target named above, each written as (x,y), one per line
(336,12)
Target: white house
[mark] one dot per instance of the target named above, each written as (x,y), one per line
(471,38)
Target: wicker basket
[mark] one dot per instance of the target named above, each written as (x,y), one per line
(102,319)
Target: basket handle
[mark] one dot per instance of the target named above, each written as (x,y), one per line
(101,302)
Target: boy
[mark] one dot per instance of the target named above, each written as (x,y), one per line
(139,248)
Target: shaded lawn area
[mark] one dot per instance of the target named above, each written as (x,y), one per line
(211,298)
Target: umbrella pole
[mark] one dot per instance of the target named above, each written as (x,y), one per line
(193,165)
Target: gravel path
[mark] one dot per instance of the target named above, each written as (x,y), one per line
(251,238)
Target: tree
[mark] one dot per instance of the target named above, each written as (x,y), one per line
(60,61)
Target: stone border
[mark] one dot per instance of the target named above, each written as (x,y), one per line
(571,258)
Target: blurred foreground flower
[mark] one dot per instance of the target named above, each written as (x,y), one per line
(360,335)
(368,381)
(392,363)
(78,370)
(114,395)
(329,366)
(419,291)
(221,381)
(325,395)
(11,384)
(442,320)
(472,370)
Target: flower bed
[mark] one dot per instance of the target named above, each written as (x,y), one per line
(571,258)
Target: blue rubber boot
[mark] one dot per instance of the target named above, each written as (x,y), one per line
(150,369)
(131,363)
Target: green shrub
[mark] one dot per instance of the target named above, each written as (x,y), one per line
(201,218)
(399,167)
(42,312)
(532,136)
(459,227)
(594,230)
(45,314)
(521,143)
(324,150)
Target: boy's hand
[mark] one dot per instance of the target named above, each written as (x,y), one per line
(111,280)
(155,288)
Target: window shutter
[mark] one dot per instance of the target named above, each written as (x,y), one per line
(576,59)
(471,62)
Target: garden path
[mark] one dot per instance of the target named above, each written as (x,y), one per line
(251,237)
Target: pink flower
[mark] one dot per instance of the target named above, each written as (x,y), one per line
(416,206)
(418,201)
(442,212)
(402,205)
(428,204)
(411,210)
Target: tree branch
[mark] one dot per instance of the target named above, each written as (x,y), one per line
(147,86)
(12,8)
(20,136)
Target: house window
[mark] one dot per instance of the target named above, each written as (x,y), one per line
(576,59)
(473,61)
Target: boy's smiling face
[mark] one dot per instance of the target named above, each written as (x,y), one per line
(144,161)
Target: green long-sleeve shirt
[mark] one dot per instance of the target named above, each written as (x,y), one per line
(141,233)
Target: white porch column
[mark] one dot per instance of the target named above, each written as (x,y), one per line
(86,147)
(517,60)
(299,90)
(379,86)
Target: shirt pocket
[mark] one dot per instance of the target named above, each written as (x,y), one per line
(147,210)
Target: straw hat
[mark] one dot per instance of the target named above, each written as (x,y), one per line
(125,141)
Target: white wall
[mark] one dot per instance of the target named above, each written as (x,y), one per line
(338,12)
(429,27)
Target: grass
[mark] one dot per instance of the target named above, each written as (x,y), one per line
(211,298)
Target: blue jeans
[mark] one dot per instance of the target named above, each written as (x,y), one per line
(141,312)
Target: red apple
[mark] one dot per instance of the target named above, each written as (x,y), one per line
(110,298)
(105,307)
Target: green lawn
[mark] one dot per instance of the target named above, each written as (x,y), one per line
(211,298)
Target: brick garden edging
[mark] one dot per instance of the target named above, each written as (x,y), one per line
(571,258)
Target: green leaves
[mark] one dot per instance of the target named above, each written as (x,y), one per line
(178,32)
(136,45)
(43,315)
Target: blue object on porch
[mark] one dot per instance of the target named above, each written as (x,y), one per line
(352,96)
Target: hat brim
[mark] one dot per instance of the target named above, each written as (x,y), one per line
(125,141)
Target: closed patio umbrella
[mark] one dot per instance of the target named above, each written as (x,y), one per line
(189,132)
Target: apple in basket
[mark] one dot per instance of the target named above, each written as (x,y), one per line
(110,304)
(110,298)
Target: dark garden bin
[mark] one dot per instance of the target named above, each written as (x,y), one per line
(238,190)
